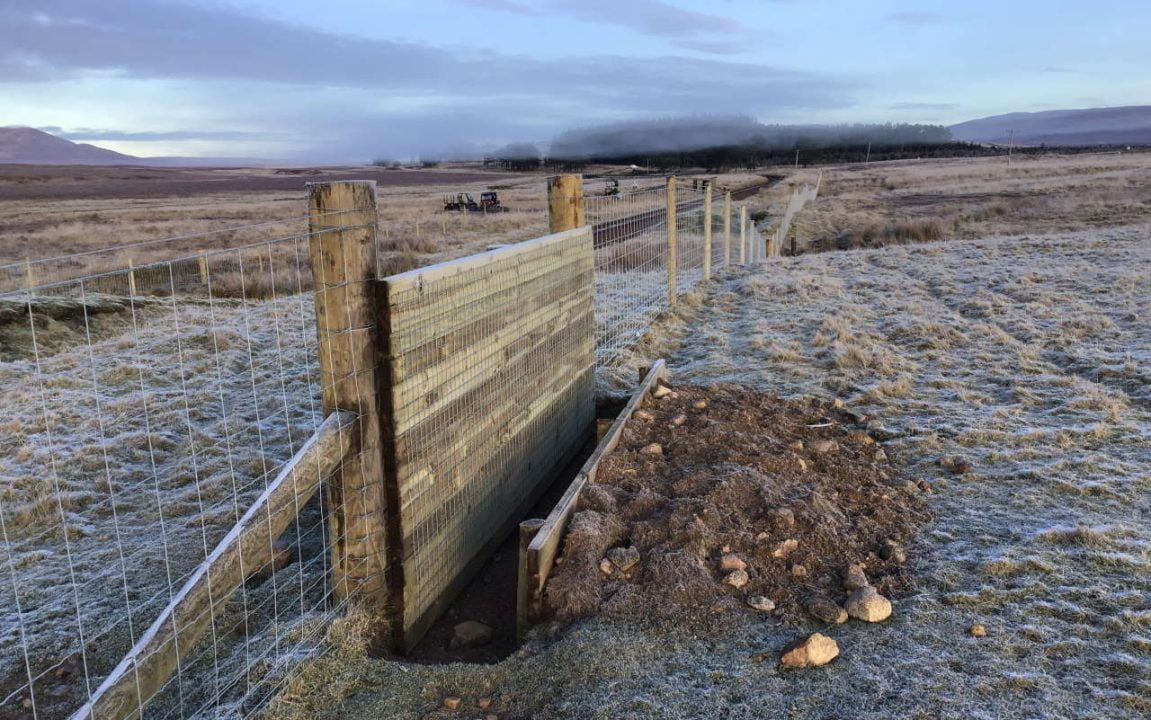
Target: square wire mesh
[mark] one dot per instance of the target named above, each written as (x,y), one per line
(492,373)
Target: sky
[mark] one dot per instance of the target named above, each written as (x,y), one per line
(356,80)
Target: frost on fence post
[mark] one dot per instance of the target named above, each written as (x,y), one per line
(342,245)
(743,235)
(671,242)
(727,227)
(707,231)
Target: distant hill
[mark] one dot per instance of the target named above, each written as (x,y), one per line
(29,146)
(1096,126)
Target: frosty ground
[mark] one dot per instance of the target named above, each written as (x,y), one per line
(1031,356)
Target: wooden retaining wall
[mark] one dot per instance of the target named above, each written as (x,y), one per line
(489,365)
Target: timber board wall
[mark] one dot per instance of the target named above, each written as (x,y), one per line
(490,363)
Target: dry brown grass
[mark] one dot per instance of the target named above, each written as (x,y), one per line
(920,201)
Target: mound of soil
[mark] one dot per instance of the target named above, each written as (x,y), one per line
(795,490)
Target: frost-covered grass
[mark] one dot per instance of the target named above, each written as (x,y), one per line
(1029,356)
(131,442)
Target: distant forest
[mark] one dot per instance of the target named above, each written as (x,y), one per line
(719,144)
(727,143)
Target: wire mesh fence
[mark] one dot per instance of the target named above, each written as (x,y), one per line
(158,394)
(632,249)
(143,416)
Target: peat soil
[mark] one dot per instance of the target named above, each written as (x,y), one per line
(792,492)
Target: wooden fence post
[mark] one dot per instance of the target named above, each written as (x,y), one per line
(29,274)
(131,279)
(743,235)
(565,203)
(672,259)
(706,231)
(342,247)
(727,227)
(525,614)
(203,269)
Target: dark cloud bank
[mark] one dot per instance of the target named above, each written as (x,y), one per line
(342,96)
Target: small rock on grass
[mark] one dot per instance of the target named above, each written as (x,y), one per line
(812,651)
(470,633)
(798,571)
(653,449)
(451,703)
(854,578)
(660,392)
(737,579)
(484,703)
(643,416)
(978,631)
(796,445)
(679,420)
(955,464)
(699,404)
(761,603)
(731,562)
(607,567)
(868,605)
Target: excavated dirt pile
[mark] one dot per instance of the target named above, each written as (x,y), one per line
(720,498)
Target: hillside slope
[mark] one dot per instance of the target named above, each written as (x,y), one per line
(1095,126)
(28,146)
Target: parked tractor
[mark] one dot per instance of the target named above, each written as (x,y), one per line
(464,202)
(460,202)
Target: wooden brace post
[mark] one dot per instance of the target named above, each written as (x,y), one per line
(342,246)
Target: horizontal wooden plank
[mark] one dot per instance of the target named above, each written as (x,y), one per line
(485,465)
(544,548)
(248,546)
(414,352)
(414,279)
(428,313)
(470,364)
(454,388)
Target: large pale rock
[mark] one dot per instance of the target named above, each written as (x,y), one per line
(471,633)
(731,562)
(812,651)
(867,604)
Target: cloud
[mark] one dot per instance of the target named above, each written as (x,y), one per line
(915,17)
(932,107)
(105,135)
(245,71)
(656,18)
(713,47)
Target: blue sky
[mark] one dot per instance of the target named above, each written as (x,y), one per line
(357,79)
